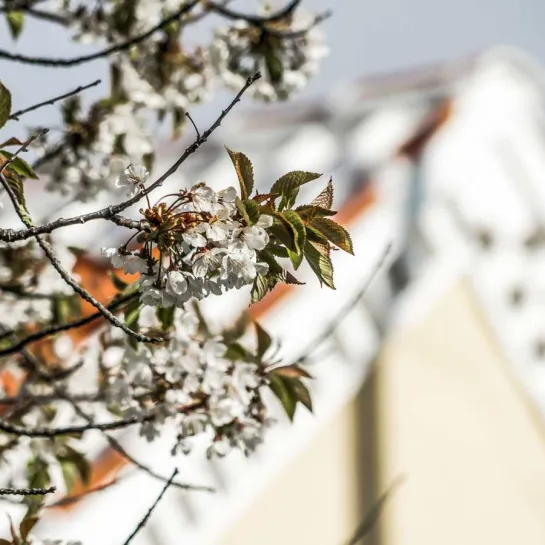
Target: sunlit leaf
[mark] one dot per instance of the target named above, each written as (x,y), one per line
(264,340)
(320,264)
(245,172)
(335,233)
(292,180)
(5,104)
(325,198)
(284,395)
(16,21)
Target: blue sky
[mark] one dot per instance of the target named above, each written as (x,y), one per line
(365,38)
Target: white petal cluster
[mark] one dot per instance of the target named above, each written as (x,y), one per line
(27,279)
(85,166)
(190,383)
(286,63)
(215,253)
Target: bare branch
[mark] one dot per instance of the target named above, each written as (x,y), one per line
(37,13)
(52,330)
(111,212)
(22,149)
(69,500)
(143,522)
(65,275)
(22,431)
(44,399)
(50,62)
(50,102)
(27,491)
(254,19)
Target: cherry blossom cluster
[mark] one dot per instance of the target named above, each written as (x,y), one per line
(192,382)
(165,75)
(29,283)
(97,147)
(200,244)
(286,54)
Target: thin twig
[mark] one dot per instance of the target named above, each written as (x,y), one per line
(22,149)
(44,399)
(110,212)
(69,500)
(50,62)
(188,115)
(27,491)
(52,101)
(38,14)
(52,330)
(254,19)
(143,522)
(114,444)
(372,517)
(64,274)
(22,431)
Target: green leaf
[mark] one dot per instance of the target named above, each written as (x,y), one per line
(308,212)
(252,209)
(37,473)
(320,264)
(260,288)
(291,181)
(276,250)
(335,233)
(17,186)
(325,198)
(290,279)
(236,352)
(274,66)
(166,316)
(12,142)
(291,371)
(69,473)
(13,533)
(245,172)
(299,391)
(119,284)
(299,237)
(242,209)
(60,309)
(288,200)
(264,340)
(132,313)
(5,104)
(26,525)
(282,231)
(20,166)
(80,463)
(16,21)
(283,393)
(237,330)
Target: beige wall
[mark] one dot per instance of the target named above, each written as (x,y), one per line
(455,424)
(451,422)
(318,498)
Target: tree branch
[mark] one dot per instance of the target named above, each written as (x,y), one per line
(65,275)
(52,330)
(255,19)
(111,213)
(50,62)
(22,431)
(50,102)
(27,491)
(143,522)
